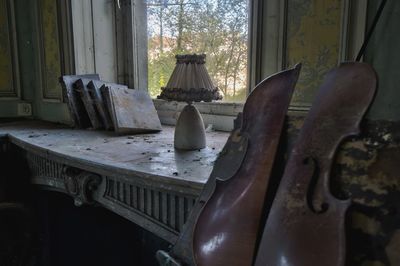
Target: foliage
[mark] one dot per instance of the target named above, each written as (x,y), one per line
(218,28)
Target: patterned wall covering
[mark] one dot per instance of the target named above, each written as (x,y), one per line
(313,38)
(7,86)
(51,58)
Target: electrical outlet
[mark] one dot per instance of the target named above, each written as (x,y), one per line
(24,109)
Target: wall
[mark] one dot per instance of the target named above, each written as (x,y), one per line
(313,38)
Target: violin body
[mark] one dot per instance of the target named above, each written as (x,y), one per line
(306,223)
(226,229)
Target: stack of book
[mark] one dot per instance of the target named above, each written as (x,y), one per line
(98,104)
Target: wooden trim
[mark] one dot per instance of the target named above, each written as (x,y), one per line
(274,46)
(132,38)
(267,30)
(354,21)
(55,95)
(14,48)
(254,46)
(16,88)
(105,39)
(121,45)
(66,37)
(82,28)
(140,44)
(122,33)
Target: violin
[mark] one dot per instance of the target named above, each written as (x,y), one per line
(226,229)
(306,223)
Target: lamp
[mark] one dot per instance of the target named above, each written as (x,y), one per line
(190,83)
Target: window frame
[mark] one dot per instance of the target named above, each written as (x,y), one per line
(266,50)
(266,46)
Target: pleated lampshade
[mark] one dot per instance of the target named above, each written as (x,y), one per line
(190,81)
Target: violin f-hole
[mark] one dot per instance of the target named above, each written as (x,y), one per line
(312,186)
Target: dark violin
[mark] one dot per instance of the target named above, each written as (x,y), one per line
(227,227)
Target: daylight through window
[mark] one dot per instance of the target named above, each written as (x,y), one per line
(218,28)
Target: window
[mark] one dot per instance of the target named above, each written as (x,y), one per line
(244,20)
(217,28)
(245,41)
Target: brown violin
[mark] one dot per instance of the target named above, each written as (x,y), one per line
(305,226)
(227,227)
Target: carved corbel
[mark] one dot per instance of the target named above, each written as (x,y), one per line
(80,185)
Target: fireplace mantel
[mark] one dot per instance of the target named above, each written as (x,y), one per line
(140,177)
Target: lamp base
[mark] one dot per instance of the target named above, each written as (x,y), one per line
(189,131)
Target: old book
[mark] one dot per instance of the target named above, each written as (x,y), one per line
(94,116)
(132,111)
(76,107)
(99,104)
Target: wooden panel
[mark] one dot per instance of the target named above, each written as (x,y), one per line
(51,58)
(354,20)
(106,40)
(138,51)
(83,36)
(104,35)
(267,38)
(313,38)
(8,84)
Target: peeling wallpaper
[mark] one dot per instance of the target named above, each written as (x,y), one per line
(6,65)
(313,38)
(51,49)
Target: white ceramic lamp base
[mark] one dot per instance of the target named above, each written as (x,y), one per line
(189,131)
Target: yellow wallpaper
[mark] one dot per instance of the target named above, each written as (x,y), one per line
(51,50)
(6,66)
(313,39)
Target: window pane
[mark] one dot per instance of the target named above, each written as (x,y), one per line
(218,28)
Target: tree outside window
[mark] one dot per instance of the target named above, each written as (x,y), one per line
(218,28)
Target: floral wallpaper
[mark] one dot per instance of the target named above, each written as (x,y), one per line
(51,49)
(313,38)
